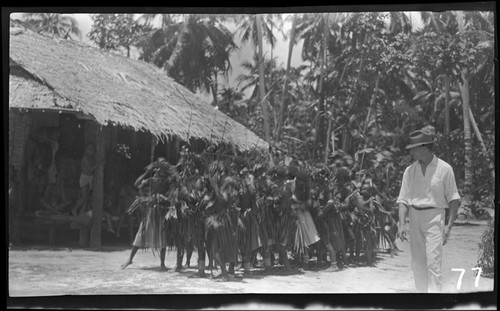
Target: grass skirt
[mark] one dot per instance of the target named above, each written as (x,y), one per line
(152,233)
(221,235)
(306,233)
(249,236)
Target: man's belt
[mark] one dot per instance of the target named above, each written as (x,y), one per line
(422,208)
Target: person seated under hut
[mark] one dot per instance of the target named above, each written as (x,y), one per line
(106,216)
(54,201)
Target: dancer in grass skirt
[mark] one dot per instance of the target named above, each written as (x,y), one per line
(327,217)
(306,233)
(155,187)
(220,224)
(249,238)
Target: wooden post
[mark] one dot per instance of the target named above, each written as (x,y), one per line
(95,229)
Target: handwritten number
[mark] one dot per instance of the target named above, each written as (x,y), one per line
(479,270)
(459,283)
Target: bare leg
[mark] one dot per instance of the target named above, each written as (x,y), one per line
(333,258)
(180,255)
(131,228)
(189,253)
(201,254)
(222,265)
(163,253)
(284,257)
(80,205)
(132,254)
(247,257)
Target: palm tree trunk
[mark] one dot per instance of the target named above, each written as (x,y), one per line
(467,142)
(481,142)
(447,113)
(328,135)
(180,46)
(321,111)
(214,87)
(330,121)
(262,89)
(372,102)
(466,202)
(279,125)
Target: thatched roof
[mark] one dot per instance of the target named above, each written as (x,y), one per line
(114,89)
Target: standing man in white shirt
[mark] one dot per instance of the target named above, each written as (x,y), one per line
(427,190)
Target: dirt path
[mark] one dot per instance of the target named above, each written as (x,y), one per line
(42,272)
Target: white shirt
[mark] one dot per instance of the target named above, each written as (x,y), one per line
(434,189)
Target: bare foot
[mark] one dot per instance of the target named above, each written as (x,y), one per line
(332,268)
(111,230)
(199,274)
(223,277)
(126,264)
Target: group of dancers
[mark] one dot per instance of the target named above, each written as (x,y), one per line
(232,210)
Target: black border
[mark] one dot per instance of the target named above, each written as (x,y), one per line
(285,301)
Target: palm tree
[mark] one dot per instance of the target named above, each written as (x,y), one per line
(248,29)
(262,91)
(255,29)
(291,43)
(314,28)
(194,50)
(463,27)
(64,26)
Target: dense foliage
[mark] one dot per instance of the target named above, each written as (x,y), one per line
(486,259)
(367,80)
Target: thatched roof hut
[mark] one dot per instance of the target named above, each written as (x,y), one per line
(68,75)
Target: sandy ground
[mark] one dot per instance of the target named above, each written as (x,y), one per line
(37,271)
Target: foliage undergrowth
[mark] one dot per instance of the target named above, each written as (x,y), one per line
(486,258)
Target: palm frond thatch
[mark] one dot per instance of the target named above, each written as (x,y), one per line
(113,89)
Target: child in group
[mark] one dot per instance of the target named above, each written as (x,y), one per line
(88,166)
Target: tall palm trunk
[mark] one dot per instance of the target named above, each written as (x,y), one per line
(330,135)
(180,46)
(447,113)
(279,125)
(262,88)
(213,88)
(481,142)
(466,202)
(372,102)
(320,125)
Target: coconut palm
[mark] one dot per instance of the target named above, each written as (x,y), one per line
(193,49)
(279,124)
(61,25)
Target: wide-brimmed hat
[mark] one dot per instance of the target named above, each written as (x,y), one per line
(419,138)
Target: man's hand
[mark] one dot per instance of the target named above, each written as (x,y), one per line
(402,232)
(446,234)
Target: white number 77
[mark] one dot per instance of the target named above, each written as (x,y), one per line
(462,272)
